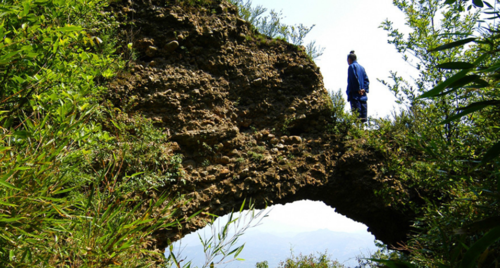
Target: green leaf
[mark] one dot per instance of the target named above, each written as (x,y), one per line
(453,44)
(479,83)
(116,125)
(443,85)
(481,104)
(242,205)
(70,29)
(492,153)
(470,257)
(240,249)
(485,224)
(449,2)
(8,204)
(464,81)
(236,250)
(470,109)
(478,3)
(394,263)
(437,89)
(64,191)
(456,65)
(3,182)
(492,68)
(12,219)
(6,59)
(134,175)
(22,168)
(22,134)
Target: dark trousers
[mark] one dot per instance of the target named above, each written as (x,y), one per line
(361,107)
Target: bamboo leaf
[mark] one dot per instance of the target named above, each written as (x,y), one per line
(481,104)
(470,109)
(464,81)
(453,44)
(8,185)
(70,29)
(437,89)
(194,215)
(4,148)
(8,204)
(22,134)
(493,68)
(394,263)
(485,224)
(478,3)
(242,205)
(12,219)
(64,191)
(134,175)
(492,153)
(443,85)
(116,125)
(475,251)
(456,65)
(240,249)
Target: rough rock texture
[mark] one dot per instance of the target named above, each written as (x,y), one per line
(250,115)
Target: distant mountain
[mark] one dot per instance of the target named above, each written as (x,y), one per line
(260,246)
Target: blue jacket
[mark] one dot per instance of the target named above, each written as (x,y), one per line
(356,80)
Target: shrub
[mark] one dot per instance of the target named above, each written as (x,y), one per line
(320,260)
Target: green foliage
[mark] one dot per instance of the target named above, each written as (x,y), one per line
(440,163)
(321,260)
(343,120)
(68,195)
(262,264)
(286,125)
(271,25)
(53,50)
(427,33)
(383,257)
(135,146)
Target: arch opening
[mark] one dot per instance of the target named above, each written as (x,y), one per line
(301,227)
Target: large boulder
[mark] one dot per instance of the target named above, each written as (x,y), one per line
(249,114)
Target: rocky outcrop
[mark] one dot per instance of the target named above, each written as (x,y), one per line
(249,114)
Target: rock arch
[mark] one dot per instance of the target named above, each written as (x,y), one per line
(250,115)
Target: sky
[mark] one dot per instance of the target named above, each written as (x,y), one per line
(341,26)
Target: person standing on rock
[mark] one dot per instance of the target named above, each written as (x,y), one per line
(357,87)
